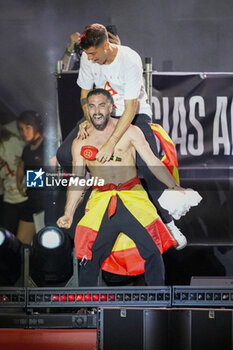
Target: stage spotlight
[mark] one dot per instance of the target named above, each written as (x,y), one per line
(51,239)
(51,257)
(10,258)
(2,237)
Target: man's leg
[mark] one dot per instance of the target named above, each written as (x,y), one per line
(101,249)
(154,186)
(127,223)
(26,231)
(89,271)
(122,221)
(11,216)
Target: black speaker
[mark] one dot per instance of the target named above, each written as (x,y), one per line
(200,329)
(165,329)
(69,107)
(133,329)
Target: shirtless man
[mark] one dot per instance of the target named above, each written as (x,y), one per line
(121,205)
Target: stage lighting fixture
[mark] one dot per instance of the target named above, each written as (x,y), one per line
(10,258)
(51,239)
(2,237)
(51,257)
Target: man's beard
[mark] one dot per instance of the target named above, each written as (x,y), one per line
(104,123)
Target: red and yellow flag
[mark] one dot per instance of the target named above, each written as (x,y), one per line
(125,258)
(170,157)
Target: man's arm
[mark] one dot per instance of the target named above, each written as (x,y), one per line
(74,193)
(123,123)
(86,82)
(66,60)
(83,100)
(2,163)
(158,169)
(83,127)
(74,38)
(20,177)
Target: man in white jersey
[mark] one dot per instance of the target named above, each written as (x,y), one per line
(118,69)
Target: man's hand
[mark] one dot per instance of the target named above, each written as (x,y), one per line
(65,221)
(105,152)
(75,38)
(114,39)
(83,130)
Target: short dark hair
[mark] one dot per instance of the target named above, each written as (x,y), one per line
(93,35)
(101,92)
(31,118)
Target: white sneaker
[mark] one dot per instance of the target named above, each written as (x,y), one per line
(177,235)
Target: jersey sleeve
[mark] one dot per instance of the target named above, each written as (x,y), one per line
(85,78)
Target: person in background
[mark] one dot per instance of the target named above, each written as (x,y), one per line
(11,148)
(1,200)
(36,155)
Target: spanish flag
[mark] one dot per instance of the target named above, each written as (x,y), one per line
(170,157)
(125,258)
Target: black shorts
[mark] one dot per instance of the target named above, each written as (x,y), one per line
(31,206)
(11,214)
